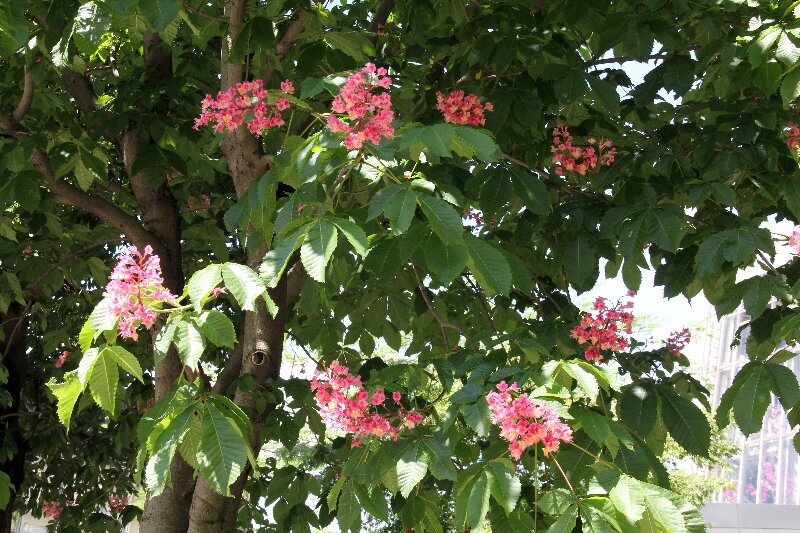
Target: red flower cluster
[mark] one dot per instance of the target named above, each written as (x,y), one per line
(460,109)
(199,203)
(794,240)
(678,340)
(62,359)
(143,407)
(230,108)
(53,510)
(793,136)
(346,406)
(117,504)
(524,422)
(477,217)
(580,159)
(135,288)
(368,110)
(604,331)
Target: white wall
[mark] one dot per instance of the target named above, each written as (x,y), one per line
(752,518)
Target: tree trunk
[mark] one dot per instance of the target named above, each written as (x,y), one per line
(15,326)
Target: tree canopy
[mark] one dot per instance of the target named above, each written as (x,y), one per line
(187,186)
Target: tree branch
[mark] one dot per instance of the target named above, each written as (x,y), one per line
(443,325)
(381,15)
(285,44)
(68,194)
(190,8)
(26,99)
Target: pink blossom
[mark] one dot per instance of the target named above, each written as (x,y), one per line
(117,504)
(460,109)
(367,110)
(247,100)
(794,240)
(218,291)
(793,136)
(396,396)
(200,203)
(580,159)
(136,291)
(62,359)
(606,329)
(346,406)
(678,340)
(524,422)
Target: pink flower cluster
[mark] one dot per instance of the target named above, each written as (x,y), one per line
(62,359)
(368,109)
(678,340)
(477,217)
(54,509)
(199,203)
(580,159)
(524,422)
(248,99)
(605,330)
(117,505)
(794,240)
(345,405)
(135,288)
(460,109)
(793,136)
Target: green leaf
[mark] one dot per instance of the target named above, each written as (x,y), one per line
(757,294)
(476,415)
(638,408)
(685,421)
(786,386)
(380,199)
(468,141)
(5,490)
(222,452)
(444,220)
(101,318)
(556,501)
(666,226)
(355,44)
(504,485)
(317,249)
(333,496)
(579,260)
(190,342)
(66,393)
(276,259)
(164,339)
(348,512)
(353,233)
(159,13)
(478,503)
(103,381)
(528,186)
(661,510)
(86,365)
(752,400)
(244,284)
(586,381)
(217,328)
(374,503)
(158,466)
(411,468)
(125,360)
(627,495)
(400,209)
(86,335)
(201,283)
(495,193)
(488,265)
(790,87)
(446,261)
(440,461)
(565,522)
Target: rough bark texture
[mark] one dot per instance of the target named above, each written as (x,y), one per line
(16,363)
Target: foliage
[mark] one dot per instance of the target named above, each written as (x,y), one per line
(349,234)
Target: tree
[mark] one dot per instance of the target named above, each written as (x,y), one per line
(333,211)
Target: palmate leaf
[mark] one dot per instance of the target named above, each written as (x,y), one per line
(504,485)
(353,233)
(752,399)
(222,452)
(444,220)
(400,209)
(478,502)
(125,360)
(172,431)
(217,328)
(488,265)
(348,510)
(104,380)
(159,13)
(190,342)
(638,408)
(565,522)
(439,459)
(245,285)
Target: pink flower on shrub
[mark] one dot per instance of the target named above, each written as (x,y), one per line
(62,359)
(199,203)
(606,329)
(794,240)
(524,422)
(367,110)
(345,405)
(678,340)
(460,109)
(136,291)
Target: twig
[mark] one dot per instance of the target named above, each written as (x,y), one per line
(572,490)
(202,13)
(443,325)
(767,262)
(626,59)
(26,99)
(481,299)
(303,347)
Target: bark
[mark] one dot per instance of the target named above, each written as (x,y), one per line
(15,362)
